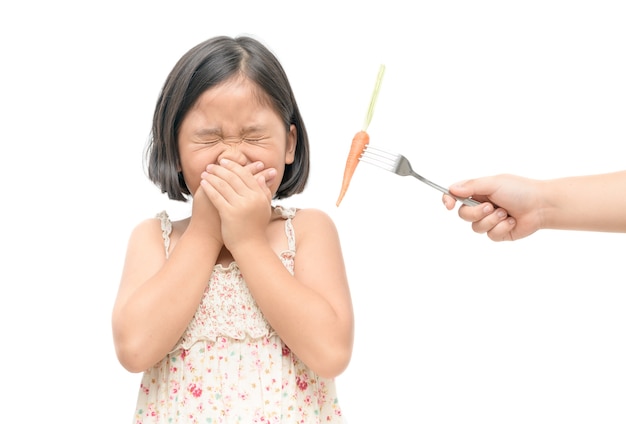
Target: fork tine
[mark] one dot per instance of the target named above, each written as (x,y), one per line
(379,158)
(400,165)
(369,149)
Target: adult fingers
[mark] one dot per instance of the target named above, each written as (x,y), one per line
(503,230)
(489,221)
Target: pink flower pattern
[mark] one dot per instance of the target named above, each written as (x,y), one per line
(230,367)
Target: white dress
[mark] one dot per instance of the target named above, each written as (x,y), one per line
(230,366)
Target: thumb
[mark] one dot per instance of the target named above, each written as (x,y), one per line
(476,187)
(461,188)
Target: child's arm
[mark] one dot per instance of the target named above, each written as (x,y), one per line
(157,298)
(311,310)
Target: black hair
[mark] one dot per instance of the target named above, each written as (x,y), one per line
(201,68)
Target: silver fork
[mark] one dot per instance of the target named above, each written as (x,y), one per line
(400,165)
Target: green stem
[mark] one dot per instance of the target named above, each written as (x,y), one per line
(370,110)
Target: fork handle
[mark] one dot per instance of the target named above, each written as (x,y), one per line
(467,201)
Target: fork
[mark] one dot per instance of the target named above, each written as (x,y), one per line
(400,165)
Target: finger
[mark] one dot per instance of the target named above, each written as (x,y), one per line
(236,178)
(448,201)
(503,230)
(221,185)
(489,222)
(214,188)
(476,188)
(266,176)
(460,189)
(475,213)
(265,187)
(255,167)
(232,184)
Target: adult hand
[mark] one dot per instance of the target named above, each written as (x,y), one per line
(510,208)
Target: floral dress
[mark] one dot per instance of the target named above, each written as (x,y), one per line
(230,366)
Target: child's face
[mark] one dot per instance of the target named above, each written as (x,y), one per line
(229,121)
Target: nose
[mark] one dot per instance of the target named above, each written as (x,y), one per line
(233,152)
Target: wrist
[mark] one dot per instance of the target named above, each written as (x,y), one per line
(204,233)
(250,246)
(547,204)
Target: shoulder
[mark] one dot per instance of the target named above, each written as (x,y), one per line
(312,213)
(316,235)
(313,219)
(148,225)
(155,233)
(161,222)
(158,227)
(151,228)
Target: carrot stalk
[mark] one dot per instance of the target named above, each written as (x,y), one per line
(370,110)
(360,141)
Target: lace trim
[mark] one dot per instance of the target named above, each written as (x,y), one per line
(166,227)
(288,214)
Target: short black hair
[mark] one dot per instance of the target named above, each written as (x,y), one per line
(201,68)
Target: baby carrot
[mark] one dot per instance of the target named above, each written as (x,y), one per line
(360,140)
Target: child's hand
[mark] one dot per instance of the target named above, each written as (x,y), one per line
(205,217)
(242,197)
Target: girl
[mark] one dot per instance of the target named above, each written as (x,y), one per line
(240,313)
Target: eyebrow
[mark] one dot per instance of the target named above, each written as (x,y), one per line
(217,131)
(208,131)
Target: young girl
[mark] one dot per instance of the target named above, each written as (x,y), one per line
(240,313)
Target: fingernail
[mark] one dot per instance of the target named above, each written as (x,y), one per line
(488,208)
(501,214)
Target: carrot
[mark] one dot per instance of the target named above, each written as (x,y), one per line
(360,140)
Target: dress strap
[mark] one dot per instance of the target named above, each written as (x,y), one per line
(291,234)
(287,214)
(166,227)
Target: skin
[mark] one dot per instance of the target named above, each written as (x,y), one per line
(524,205)
(233,151)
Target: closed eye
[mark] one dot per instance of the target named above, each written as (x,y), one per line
(254,140)
(211,142)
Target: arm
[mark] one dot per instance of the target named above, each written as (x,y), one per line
(588,203)
(157,298)
(310,310)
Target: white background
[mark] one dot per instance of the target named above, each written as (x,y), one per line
(450,327)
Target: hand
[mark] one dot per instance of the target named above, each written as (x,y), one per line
(242,197)
(510,208)
(205,217)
